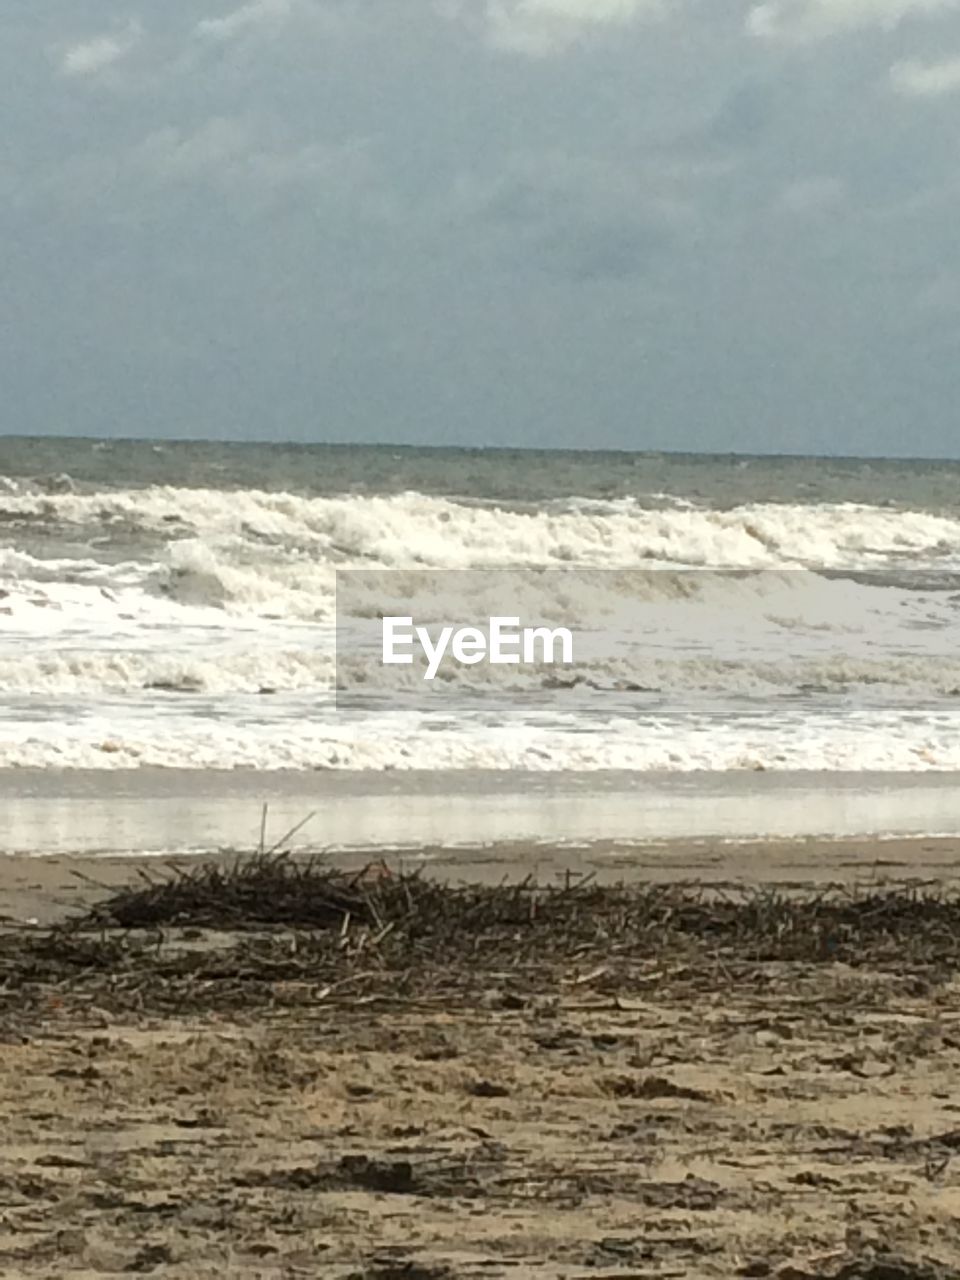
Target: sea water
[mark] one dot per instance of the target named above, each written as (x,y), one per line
(173,605)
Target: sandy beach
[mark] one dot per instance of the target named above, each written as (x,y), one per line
(533,1102)
(480,640)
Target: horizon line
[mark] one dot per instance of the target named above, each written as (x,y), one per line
(260,442)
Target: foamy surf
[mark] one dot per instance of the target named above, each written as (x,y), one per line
(181,625)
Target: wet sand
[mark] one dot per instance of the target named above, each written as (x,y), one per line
(747,1117)
(201,810)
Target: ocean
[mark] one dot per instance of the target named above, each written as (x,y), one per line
(173,605)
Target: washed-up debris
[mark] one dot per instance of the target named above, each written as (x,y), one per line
(279,930)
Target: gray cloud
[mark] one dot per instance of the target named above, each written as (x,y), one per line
(578,216)
(540,28)
(816,19)
(914,78)
(724,225)
(88,57)
(248,18)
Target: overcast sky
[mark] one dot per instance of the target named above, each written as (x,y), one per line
(692,224)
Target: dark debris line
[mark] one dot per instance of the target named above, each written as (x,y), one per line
(275,929)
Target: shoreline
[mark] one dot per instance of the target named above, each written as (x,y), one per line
(152,811)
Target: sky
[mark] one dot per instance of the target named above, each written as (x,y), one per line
(720,225)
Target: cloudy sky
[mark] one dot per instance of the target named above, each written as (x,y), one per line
(693,224)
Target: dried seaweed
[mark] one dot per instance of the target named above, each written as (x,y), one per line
(769,924)
(276,930)
(262,889)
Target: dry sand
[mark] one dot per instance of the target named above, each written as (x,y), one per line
(781,1118)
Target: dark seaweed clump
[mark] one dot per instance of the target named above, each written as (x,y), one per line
(275,929)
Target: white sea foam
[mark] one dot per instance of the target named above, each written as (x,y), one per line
(412,529)
(275,554)
(878,742)
(194,627)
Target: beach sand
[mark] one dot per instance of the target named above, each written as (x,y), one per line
(751,1117)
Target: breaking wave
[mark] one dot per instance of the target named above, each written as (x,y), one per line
(177,626)
(411,529)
